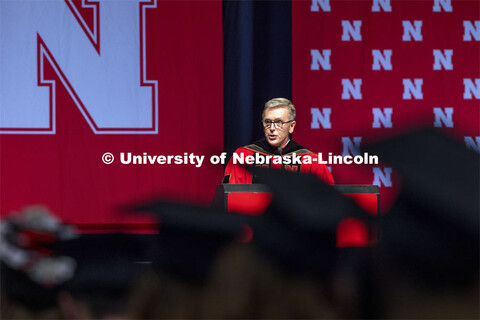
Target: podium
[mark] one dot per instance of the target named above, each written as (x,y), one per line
(254,199)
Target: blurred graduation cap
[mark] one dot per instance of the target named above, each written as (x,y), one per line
(298,230)
(106,269)
(31,273)
(104,261)
(190,237)
(433,228)
(306,200)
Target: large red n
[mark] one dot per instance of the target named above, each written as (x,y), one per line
(103,68)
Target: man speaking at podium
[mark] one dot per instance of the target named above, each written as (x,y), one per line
(276,150)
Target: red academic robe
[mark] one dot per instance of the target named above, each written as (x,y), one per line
(236,173)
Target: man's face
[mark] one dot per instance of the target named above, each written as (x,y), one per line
(278,137)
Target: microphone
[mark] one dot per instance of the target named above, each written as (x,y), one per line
(279,149)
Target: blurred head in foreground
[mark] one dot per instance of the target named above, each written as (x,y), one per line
(430,239)
(190,242)
(106,271)
(298,235)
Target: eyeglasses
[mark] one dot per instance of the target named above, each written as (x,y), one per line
(278,124)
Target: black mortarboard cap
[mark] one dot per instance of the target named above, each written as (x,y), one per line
(432,231)
(106,269)
(436,171)
(298,231)
(306,201)
(190,237)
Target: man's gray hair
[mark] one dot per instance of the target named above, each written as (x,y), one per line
(280,102)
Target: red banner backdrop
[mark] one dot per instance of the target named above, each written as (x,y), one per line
(63,169)
(364,70)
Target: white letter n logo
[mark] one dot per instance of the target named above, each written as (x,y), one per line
(105,76)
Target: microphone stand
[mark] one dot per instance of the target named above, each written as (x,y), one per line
(280,151)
